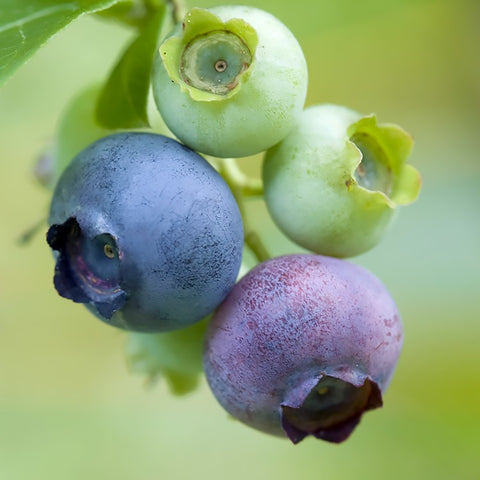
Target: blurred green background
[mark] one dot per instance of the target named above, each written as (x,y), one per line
(69,408)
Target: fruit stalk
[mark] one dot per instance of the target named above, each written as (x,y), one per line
(178,8)
(243,187)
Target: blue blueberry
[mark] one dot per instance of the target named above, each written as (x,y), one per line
(148,234)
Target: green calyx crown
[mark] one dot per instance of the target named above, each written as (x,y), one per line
(210,59)
(379,153)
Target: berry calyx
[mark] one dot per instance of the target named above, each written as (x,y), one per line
(87,269)
(211,58)
(330,410)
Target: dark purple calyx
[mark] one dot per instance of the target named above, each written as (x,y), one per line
(331,410)
(87,268)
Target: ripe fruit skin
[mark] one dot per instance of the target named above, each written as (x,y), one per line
(332,185)
(264,101)
(299,324)
(150,236)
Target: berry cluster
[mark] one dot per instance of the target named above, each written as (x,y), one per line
(150,237)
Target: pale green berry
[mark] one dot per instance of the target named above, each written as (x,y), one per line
(332,185)
(230,81)
(176,356)
(77,128)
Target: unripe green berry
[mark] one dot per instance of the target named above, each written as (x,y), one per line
(230,81)
(332,185)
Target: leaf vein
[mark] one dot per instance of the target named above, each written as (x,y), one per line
(37,15)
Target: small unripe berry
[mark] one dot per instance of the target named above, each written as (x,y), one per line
(333,184)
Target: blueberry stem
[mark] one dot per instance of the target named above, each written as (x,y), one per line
(27,236)
(137,14)
(256,246)
(179,9)
(249,187)
(243,187)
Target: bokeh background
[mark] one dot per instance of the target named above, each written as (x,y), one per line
(70,409)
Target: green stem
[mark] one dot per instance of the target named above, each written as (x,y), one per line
(256,246)
(243,187)
(137,13)
(28,235)
(179,9)
(236,179)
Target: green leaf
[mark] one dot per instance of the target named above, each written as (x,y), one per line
(124,98)
(175,356)
(25,25)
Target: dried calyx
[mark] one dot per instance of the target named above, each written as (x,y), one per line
(330,410)
(87,268)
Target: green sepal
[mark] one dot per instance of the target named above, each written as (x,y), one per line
(394,147)
(408,185)
(199,22)
(124,98)
(176,356)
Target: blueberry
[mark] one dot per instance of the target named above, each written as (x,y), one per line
(230,81)
(334,183)
(303,345)
(149,235)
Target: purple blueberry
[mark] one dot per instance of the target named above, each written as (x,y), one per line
(303,345)
(149,235)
